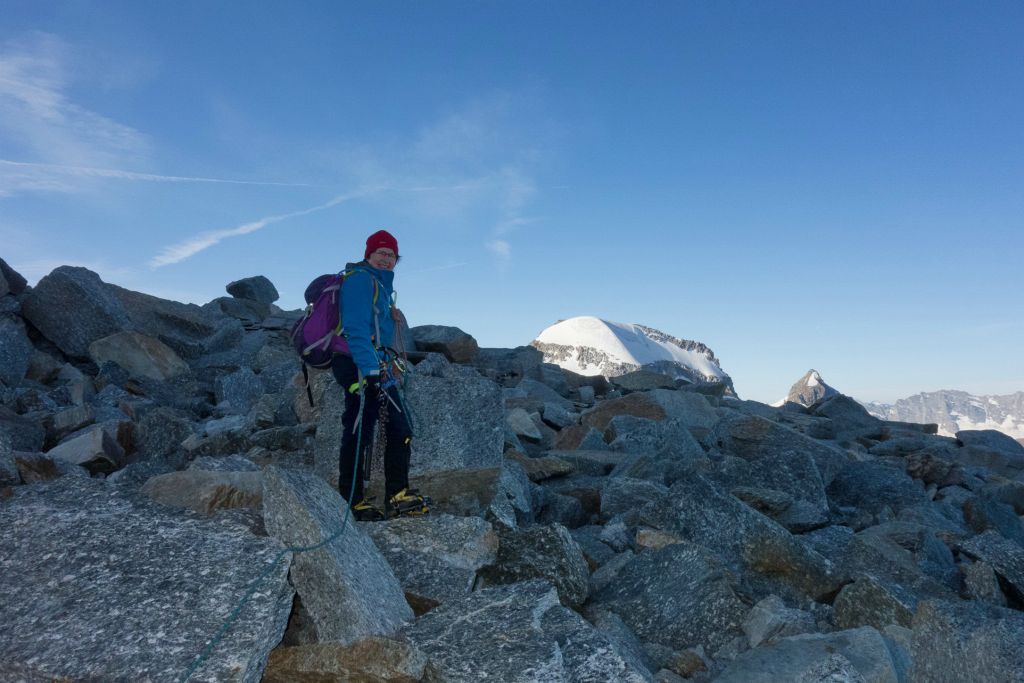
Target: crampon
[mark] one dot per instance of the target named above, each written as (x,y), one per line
(407,503)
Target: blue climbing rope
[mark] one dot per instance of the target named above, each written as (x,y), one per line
(226,626)
(405,408)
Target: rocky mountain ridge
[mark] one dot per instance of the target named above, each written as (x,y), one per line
(160,462)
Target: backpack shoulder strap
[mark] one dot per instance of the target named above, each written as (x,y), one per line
(373,303)
(373,278)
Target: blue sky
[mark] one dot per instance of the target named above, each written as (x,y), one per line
(837,185)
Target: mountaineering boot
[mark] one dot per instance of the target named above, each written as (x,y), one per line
(407,502)
(364,511)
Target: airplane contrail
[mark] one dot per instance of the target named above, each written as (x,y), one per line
(88,171)
(177,253)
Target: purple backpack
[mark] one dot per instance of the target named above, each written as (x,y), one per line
(317,335)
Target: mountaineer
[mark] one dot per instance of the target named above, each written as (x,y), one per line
(369,377)
(358,345)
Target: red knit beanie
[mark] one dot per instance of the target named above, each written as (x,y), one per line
(382,239)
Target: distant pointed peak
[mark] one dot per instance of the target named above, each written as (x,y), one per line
(810,389)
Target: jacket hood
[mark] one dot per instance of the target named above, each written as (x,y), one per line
(385,277)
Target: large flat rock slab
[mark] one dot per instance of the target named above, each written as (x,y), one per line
(346,586)
(139,355)
(870,601)
(1005,557)
(186,328)
(645,436)
(541,552)
(206,491)
(742,538)
(752,437)
(859,655)
(330,406)
(596,419)
(676,596)
(991,439)
(374,660)
(982,514)
(517,634)
(907,554)
(435,557)
(73,308)
(690,407)
(993,449)
(963,641)
(873,486)
(795,475)
(458,417)
(101,585)
(595,463)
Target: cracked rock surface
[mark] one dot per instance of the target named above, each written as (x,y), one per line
(99,584)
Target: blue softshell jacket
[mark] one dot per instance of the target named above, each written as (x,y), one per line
(357,314)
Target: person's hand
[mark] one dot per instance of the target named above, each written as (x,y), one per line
(368,381)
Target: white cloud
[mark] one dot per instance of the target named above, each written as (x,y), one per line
(477,133)
(500,248)
(38,120)
(59,145)
(476,166)
(176,253)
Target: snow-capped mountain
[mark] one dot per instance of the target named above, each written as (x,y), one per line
(591,346)
(808,390)
(956,410)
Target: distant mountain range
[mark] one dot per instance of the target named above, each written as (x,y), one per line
(953,411)
(591,346)
(957,410)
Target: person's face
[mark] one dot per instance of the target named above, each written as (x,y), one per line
(382,259)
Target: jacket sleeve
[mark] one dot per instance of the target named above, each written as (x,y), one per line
(357,321)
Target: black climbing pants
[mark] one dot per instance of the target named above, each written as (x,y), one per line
(397,450)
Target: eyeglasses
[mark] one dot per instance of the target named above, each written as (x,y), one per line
(385,254)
